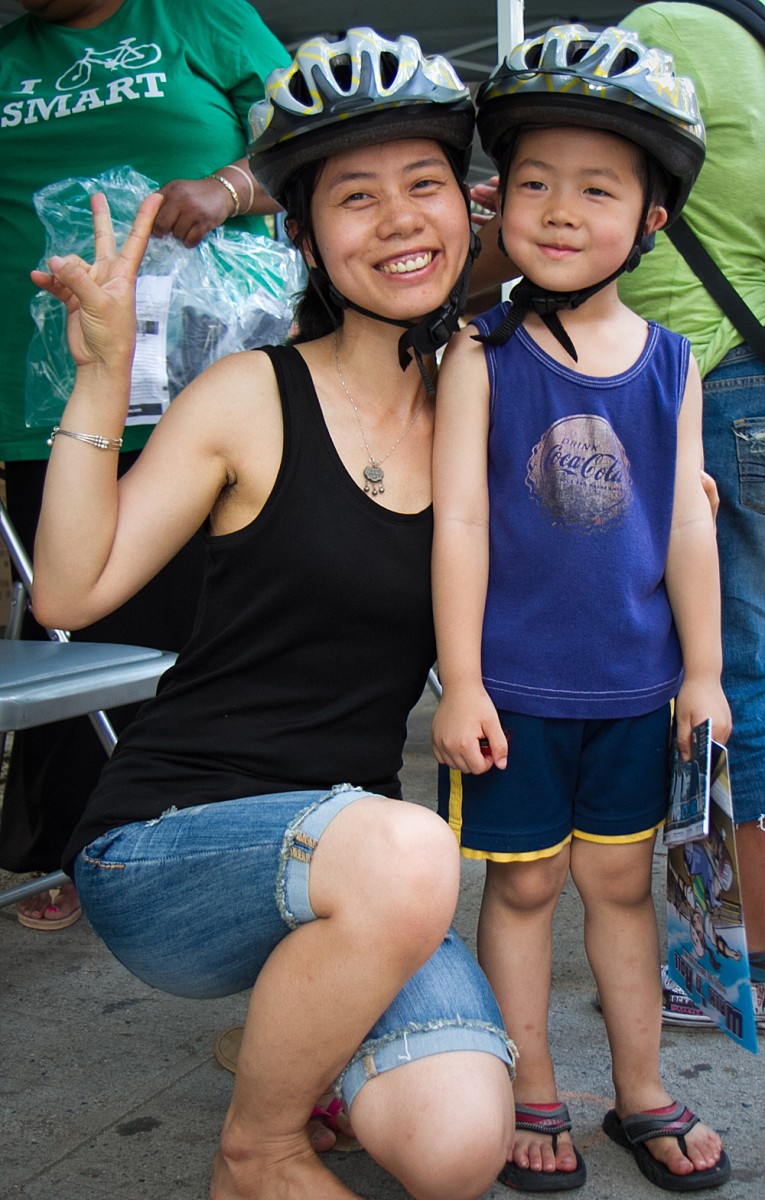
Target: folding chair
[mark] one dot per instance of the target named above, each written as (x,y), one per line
(42,682)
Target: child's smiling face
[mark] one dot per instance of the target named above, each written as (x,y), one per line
(572,204)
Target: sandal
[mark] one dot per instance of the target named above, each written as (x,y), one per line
(328,1113)
(675,1121)
(550,1119)
(52,922)
(226,1049)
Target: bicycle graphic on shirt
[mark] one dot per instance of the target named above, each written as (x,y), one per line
(124,55)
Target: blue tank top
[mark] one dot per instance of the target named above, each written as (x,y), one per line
(581,482)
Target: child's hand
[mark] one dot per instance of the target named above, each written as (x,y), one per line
(696,701)
(464,717)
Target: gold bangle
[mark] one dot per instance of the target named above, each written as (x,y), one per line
(247,179)
(92,439)
(231,190)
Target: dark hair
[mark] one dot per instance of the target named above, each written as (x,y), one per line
(651,176)
(318,310)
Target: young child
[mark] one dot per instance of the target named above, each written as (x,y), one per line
(575,575)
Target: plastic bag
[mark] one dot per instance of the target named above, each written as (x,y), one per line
(235,291)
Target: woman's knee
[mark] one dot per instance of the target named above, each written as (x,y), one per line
(459,1122)
(391,856)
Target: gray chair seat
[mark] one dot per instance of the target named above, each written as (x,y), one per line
(49,681)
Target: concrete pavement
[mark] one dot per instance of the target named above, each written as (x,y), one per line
(108,1089)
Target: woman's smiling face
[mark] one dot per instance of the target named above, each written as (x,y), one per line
(391,226)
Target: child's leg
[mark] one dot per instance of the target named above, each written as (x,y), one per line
(515,951)
(621,940)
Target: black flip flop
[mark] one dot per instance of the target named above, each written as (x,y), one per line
(634,1131)
(550,1120)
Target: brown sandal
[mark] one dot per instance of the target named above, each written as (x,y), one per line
(48,923)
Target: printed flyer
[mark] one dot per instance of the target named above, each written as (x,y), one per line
(688,815)
(705,918)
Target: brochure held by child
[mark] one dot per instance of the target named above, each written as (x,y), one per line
(706,935)
(688,815)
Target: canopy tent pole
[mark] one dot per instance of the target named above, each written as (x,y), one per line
(509,35)
(509,26)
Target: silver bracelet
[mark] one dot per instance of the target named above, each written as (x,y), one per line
(92,439)
(247,179)
(231,190)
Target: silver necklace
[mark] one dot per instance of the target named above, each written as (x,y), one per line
(373,473)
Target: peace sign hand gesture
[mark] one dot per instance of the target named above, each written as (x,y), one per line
(100,297)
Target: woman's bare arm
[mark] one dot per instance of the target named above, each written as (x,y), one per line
(100,540)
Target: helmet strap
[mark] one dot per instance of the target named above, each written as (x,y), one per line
(315,274)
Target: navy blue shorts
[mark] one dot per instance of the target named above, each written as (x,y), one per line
(604,781)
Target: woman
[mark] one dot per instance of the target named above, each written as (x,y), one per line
(311,465)
(81,81)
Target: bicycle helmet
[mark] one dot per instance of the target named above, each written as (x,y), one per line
(358,91)
(364,90)
(610,81)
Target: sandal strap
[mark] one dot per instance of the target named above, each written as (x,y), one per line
(331,1110)
(543,1118)
(670,1122)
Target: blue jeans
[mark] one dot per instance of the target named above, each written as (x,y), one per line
(195,901)
(734,447)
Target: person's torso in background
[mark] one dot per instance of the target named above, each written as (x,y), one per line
(726,208)
(162,86)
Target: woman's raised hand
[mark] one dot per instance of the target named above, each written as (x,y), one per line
(100,296)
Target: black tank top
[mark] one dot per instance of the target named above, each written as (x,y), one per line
(312,643)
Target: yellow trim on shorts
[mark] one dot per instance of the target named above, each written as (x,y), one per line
(521,856)
(455,804)
(620,839)
(455,824)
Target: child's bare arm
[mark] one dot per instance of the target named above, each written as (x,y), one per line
(461,560)
(693,581)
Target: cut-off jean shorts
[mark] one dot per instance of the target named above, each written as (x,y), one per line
(194,902)
(734,451)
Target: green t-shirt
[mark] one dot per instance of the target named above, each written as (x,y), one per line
(726,208)
(163,86)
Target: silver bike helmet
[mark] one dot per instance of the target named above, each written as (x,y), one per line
(359,91)
(608,80)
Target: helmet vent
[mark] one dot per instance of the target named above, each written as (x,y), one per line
(577,51)
(624,61)
(389,65)
(298,89)
(534,56)
(342,71)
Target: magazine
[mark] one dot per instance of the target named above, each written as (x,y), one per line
(688,815)
(705,919)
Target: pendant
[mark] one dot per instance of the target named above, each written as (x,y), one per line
(374,475)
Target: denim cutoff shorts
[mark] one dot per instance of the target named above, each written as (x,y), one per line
(194,902)
(734,450)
